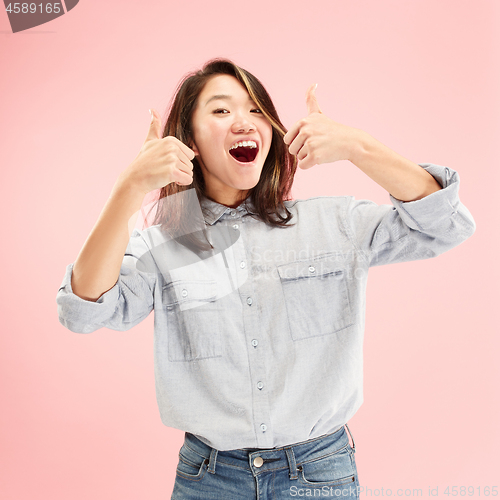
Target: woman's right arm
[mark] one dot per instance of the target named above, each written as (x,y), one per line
(97,267)
(159,162)
(103,288)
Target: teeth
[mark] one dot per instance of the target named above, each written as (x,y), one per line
(244,144)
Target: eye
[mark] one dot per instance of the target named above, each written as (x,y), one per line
(257,110)
(221,111)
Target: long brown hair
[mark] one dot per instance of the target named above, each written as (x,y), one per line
(274,186)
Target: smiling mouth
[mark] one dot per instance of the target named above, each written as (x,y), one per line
(244,154)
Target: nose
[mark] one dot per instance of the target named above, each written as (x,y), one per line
(243,124)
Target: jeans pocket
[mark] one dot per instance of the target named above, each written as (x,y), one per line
(193,314)
(316,297)
(336,470)
(191,465)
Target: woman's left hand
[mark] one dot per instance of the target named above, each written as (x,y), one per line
(316,139)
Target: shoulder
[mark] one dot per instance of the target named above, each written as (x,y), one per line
(318,203)
(328,211)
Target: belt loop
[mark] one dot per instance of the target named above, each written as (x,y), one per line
(352,439)
(213,459)
(291,462)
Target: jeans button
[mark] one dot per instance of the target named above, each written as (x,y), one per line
(258,461)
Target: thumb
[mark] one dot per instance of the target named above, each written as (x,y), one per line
(154,131)
(311,101)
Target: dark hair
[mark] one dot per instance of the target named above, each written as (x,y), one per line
(279,168)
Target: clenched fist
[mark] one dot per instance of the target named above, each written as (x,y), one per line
(316,139)
(160,161)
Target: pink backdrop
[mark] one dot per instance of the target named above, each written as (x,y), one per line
(79,417)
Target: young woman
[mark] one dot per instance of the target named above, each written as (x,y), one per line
(259,299)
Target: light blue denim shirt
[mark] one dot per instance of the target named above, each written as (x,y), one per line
(260,345)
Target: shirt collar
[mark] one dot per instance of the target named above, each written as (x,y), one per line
(213,211)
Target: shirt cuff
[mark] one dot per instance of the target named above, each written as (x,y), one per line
(74,311)
(435,208)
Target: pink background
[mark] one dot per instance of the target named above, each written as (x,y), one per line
(79,417)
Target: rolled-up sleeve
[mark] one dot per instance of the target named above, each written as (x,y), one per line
(123,306)
(412,230)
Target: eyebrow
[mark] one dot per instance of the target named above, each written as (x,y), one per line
(223,96)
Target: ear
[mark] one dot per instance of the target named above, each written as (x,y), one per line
(193,146)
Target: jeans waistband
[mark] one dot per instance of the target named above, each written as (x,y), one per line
(266,459)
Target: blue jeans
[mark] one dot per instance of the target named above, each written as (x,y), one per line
(325,465)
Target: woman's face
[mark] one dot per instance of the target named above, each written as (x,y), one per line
(225,116)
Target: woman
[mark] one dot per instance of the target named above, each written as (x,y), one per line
(259,299)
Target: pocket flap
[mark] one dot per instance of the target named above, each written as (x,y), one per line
(180,292)
(309,269)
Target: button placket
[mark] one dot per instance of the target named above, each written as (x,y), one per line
(242,260)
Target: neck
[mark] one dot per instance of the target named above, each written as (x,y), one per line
(228,202)
(234,205)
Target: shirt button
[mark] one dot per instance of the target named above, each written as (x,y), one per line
(263,427)
(260,385)
(235,226)
(311,269)
(255,342)
(184,293)
(249,301)
(233,212)
(258,461)
(242,265)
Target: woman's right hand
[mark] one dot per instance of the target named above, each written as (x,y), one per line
(160,161)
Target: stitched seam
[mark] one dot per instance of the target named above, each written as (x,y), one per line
(323,456)
(350,235)
(273,469)
(187,446)
(320,484)
(192,478)
(294,202)
(233,466)
(191,464)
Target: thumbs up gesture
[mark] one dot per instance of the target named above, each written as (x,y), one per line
(316,139)
(160,161)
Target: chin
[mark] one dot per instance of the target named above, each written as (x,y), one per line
(246,185)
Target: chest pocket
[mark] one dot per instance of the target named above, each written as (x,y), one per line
(316,297)
(193,328)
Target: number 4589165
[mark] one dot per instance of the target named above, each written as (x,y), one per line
(471,490)
(31,8)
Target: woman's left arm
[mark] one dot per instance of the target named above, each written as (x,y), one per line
(402,178)
(317,139)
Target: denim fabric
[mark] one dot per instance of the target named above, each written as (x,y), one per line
(270,326)
(321,467)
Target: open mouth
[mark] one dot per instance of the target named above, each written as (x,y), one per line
(245,151)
